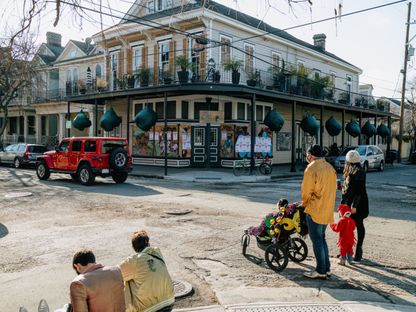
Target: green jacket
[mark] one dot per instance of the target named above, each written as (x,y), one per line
(148,285)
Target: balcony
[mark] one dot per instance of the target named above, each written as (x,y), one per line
(284,83)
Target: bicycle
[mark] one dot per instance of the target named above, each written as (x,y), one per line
(242,167)
(265,167)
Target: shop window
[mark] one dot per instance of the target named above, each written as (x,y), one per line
(137,108)
(249,112)
(259,113)
(267,109)
(185,110)
(228,110)
(241,111)
(171,110)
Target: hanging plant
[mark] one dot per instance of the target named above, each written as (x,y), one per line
(353,128)
(368,129)
(333,126)
(274,120)
(310,125)
(81,121)
(110,120)
(383,131)
(145,119)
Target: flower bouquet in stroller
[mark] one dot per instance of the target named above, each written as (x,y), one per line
(274,235)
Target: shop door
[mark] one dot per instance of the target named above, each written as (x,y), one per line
(205,149)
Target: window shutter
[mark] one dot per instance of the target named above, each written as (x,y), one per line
(185,46)
(120,64)
(155,64)
(107,65)
(129,59)
(202,62)
(172,48)
(144,57)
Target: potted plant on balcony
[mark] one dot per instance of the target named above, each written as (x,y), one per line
(130,80)
(302,82)
(318,85)
(143,75)
(253,78)
(167,76)
(185,64)
(101,84)
(234,66)
(217,76)
(82,87)
(279,75)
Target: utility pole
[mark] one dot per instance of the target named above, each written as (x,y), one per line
(406,55)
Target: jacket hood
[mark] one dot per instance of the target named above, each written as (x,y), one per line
(344,210)
(153,251)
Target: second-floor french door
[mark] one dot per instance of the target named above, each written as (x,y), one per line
(113,70)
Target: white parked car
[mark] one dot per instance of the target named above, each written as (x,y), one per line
(371,156)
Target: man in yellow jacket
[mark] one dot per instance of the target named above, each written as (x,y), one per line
(148,285)
(318,197)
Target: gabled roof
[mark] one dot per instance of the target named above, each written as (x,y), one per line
(85,47)
(47,59)
(229,13)
(55,49)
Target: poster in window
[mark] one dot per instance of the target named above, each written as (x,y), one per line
(283,141)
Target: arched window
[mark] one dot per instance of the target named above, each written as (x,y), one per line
(98,71)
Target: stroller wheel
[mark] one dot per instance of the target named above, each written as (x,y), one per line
(297,249)
(276,257)
(245,240)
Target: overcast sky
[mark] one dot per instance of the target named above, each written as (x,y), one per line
(374,40)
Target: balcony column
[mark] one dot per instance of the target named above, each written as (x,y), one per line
(321,128)
(293,149)
(38,128)
(25,127)
(62,126)
(375,136)
(92,130)
(359,122)
(343,129)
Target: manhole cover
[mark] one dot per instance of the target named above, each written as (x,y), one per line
(296,308)
(178,212)
(181,288)
(18,194)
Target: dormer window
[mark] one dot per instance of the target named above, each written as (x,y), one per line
(158,5)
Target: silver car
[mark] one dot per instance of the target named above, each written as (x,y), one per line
(22,154)
(371,156)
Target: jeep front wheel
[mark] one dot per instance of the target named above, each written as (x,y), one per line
(119,177)
(42,171)
(118,158)
(85,175)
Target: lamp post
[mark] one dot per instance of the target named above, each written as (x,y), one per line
(406,55)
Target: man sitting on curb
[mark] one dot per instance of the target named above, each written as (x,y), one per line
(148,285)
(97,288)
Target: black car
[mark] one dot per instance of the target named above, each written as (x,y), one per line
(21,154)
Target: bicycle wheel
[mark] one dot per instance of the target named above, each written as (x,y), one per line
(240,168)
(276,257)
(265,169)
(245,241)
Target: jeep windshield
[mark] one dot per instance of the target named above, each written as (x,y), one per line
(109,145)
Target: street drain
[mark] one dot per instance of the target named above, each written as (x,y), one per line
(178,212)
(18,194)
(181,288)
(291,308)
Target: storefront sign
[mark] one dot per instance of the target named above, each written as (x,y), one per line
(213,117)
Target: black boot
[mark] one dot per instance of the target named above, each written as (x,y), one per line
(358,253)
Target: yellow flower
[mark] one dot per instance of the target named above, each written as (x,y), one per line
(272,222)
(271,232)
(276,230)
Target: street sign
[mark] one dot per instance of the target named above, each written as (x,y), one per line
(68,124)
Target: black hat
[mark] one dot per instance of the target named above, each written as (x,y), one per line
(315,150)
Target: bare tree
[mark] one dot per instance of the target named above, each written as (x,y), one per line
(409,125)
(16,71)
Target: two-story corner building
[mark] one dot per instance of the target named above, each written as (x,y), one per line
(212,74)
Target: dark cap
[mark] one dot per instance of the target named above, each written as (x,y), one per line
(315,150)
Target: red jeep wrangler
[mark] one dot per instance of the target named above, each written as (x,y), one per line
(86,157)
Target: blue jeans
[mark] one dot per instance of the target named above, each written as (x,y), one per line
(320,248)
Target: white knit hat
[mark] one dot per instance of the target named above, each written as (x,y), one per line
(353,157)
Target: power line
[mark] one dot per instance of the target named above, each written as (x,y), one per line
(169,28)
(322,20)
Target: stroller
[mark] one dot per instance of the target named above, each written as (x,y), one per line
(275,236)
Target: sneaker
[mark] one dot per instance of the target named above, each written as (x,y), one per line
(314,275)
(328,274)
(341,261)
